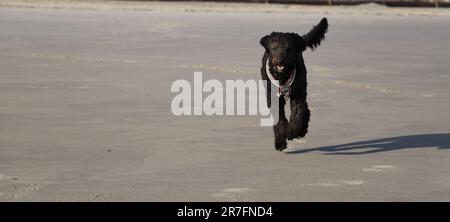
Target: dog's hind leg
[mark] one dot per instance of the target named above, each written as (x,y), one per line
(299,119)
(280,129)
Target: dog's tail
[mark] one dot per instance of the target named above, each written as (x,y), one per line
(317,34)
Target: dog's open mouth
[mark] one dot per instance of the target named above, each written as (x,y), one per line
(279,68)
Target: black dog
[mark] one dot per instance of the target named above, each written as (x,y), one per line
(283,61)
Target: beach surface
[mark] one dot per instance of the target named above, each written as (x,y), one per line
(85,104)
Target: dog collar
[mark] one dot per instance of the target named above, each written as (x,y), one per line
(282,89)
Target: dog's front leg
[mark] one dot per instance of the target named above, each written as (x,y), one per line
(299,119)
(280,128)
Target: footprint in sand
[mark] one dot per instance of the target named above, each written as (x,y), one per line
(339,183)
(379,168)
(232,192)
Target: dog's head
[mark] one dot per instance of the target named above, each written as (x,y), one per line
(283,49)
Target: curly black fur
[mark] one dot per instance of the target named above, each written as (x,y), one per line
(317,34)
(284,53)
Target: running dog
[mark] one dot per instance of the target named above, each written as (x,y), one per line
(283,67)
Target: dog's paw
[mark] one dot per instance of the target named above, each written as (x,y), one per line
(280,145)
(294,133)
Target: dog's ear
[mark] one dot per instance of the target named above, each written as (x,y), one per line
(299,42)
(317,34)
(264,40)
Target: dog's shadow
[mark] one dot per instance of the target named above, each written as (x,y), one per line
(438,140)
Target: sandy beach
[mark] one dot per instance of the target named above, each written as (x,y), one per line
(85,104)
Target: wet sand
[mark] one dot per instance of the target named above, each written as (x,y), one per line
(85,107)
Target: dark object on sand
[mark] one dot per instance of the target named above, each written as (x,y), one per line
(283,61)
